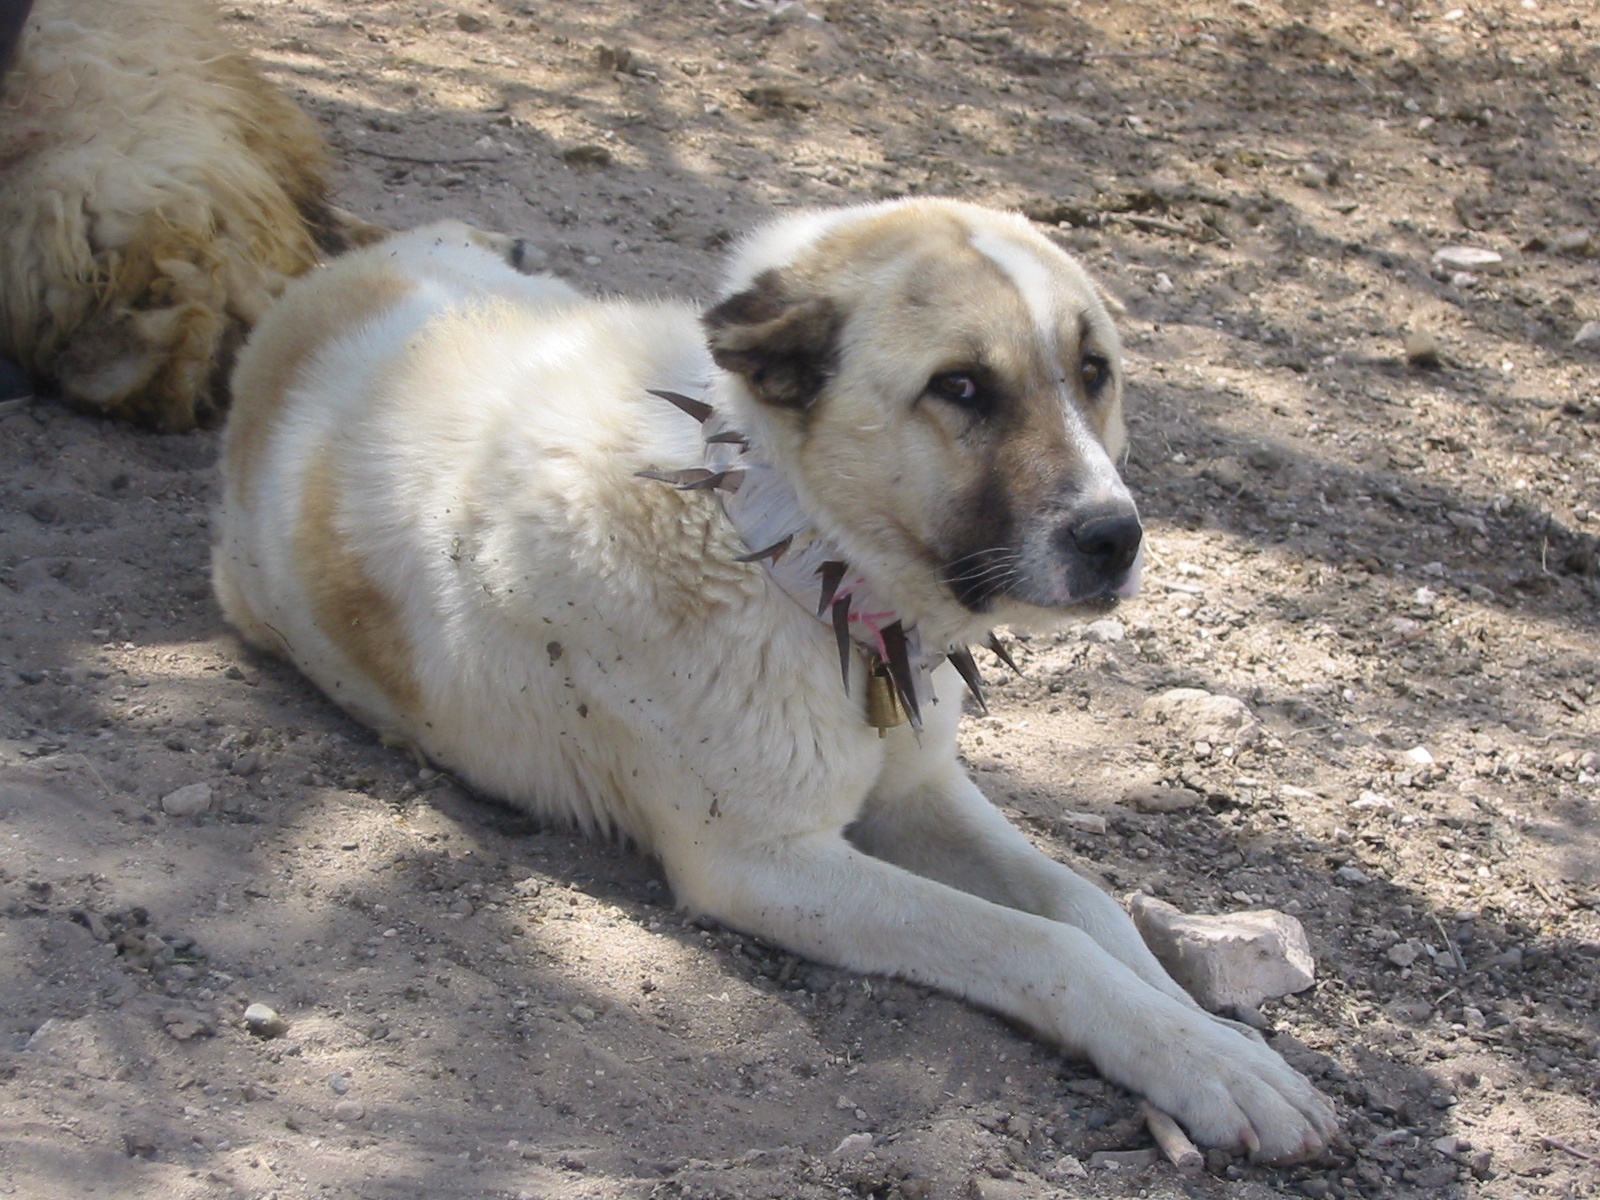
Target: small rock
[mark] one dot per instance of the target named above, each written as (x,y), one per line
(187,801)
(1158,798)
(587,155)
(264,1022)
(852,1145)
(470,22)
(339,1084)
(1315,1187)
(1353,875)
(1163,283)
(1374,800)
(1419,756)
(1467,522)
(1448,1144)
(1239,959)
(583,1013)
(1088,822)
(184,1024)
(1067,1167)
(1465,258)
(982,1187)
(1588,334)
(1422,348)
(1509,958)
(1481,1164)
(1103,631)
(1312,175)
(245,764)
(1579,243)
(1403,954)
(1123,1160)
(348,1111)
(1203,717)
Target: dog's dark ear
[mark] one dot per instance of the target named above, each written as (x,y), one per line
(784,345)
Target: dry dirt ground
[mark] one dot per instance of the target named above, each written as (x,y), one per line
(1376,556)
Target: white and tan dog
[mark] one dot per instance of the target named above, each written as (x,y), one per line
(453,501)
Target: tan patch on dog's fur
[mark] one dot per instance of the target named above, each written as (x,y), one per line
(328,306)
(350,609)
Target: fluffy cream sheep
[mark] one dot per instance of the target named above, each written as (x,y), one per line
(155,194)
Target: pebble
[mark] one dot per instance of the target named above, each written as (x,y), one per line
(1419,756)
(470,22)
(1158,798)
(1237,959)
(1369,799)
(339,1084)
(348,1111)
(187,801)
(1466,258)
(1353,875)
(1088,822)
(1588,334)
(1203,717)
(264,1022)
(1403,954)
(1422,348)
(1579,242)
(1067,1167)
(1123,1160)
(183,1024)
(853,1144)
(1104,631)
(1312,175)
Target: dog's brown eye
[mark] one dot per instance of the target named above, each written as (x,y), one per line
(961,388)
(1095,372)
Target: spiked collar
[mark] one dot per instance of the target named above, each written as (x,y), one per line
(812,570)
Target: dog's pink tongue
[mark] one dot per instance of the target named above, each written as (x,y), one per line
(1129,587)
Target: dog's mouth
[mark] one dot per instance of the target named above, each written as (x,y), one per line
(981,579)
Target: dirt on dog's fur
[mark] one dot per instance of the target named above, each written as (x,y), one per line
(1376,557)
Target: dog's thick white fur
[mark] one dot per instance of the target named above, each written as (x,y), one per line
(431,506)
(155,194)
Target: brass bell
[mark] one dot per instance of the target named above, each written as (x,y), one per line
(884,710)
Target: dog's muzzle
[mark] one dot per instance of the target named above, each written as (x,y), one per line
(1101,550)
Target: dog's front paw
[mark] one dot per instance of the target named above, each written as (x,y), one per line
(1231,1090)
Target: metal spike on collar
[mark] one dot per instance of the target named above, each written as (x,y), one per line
(775,552)
(1004,655)
(832,573)
(961,659)
(894,643)
(689,477)
(841,634)
(698,409)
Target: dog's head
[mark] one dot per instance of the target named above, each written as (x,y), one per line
(943,386)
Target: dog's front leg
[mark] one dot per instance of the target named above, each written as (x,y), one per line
(943,827)
(820,896)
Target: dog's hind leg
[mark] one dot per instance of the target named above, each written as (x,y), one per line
(818,895)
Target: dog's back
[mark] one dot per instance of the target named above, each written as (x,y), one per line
(426,446)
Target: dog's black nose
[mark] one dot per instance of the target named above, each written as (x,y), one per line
(1109,540)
